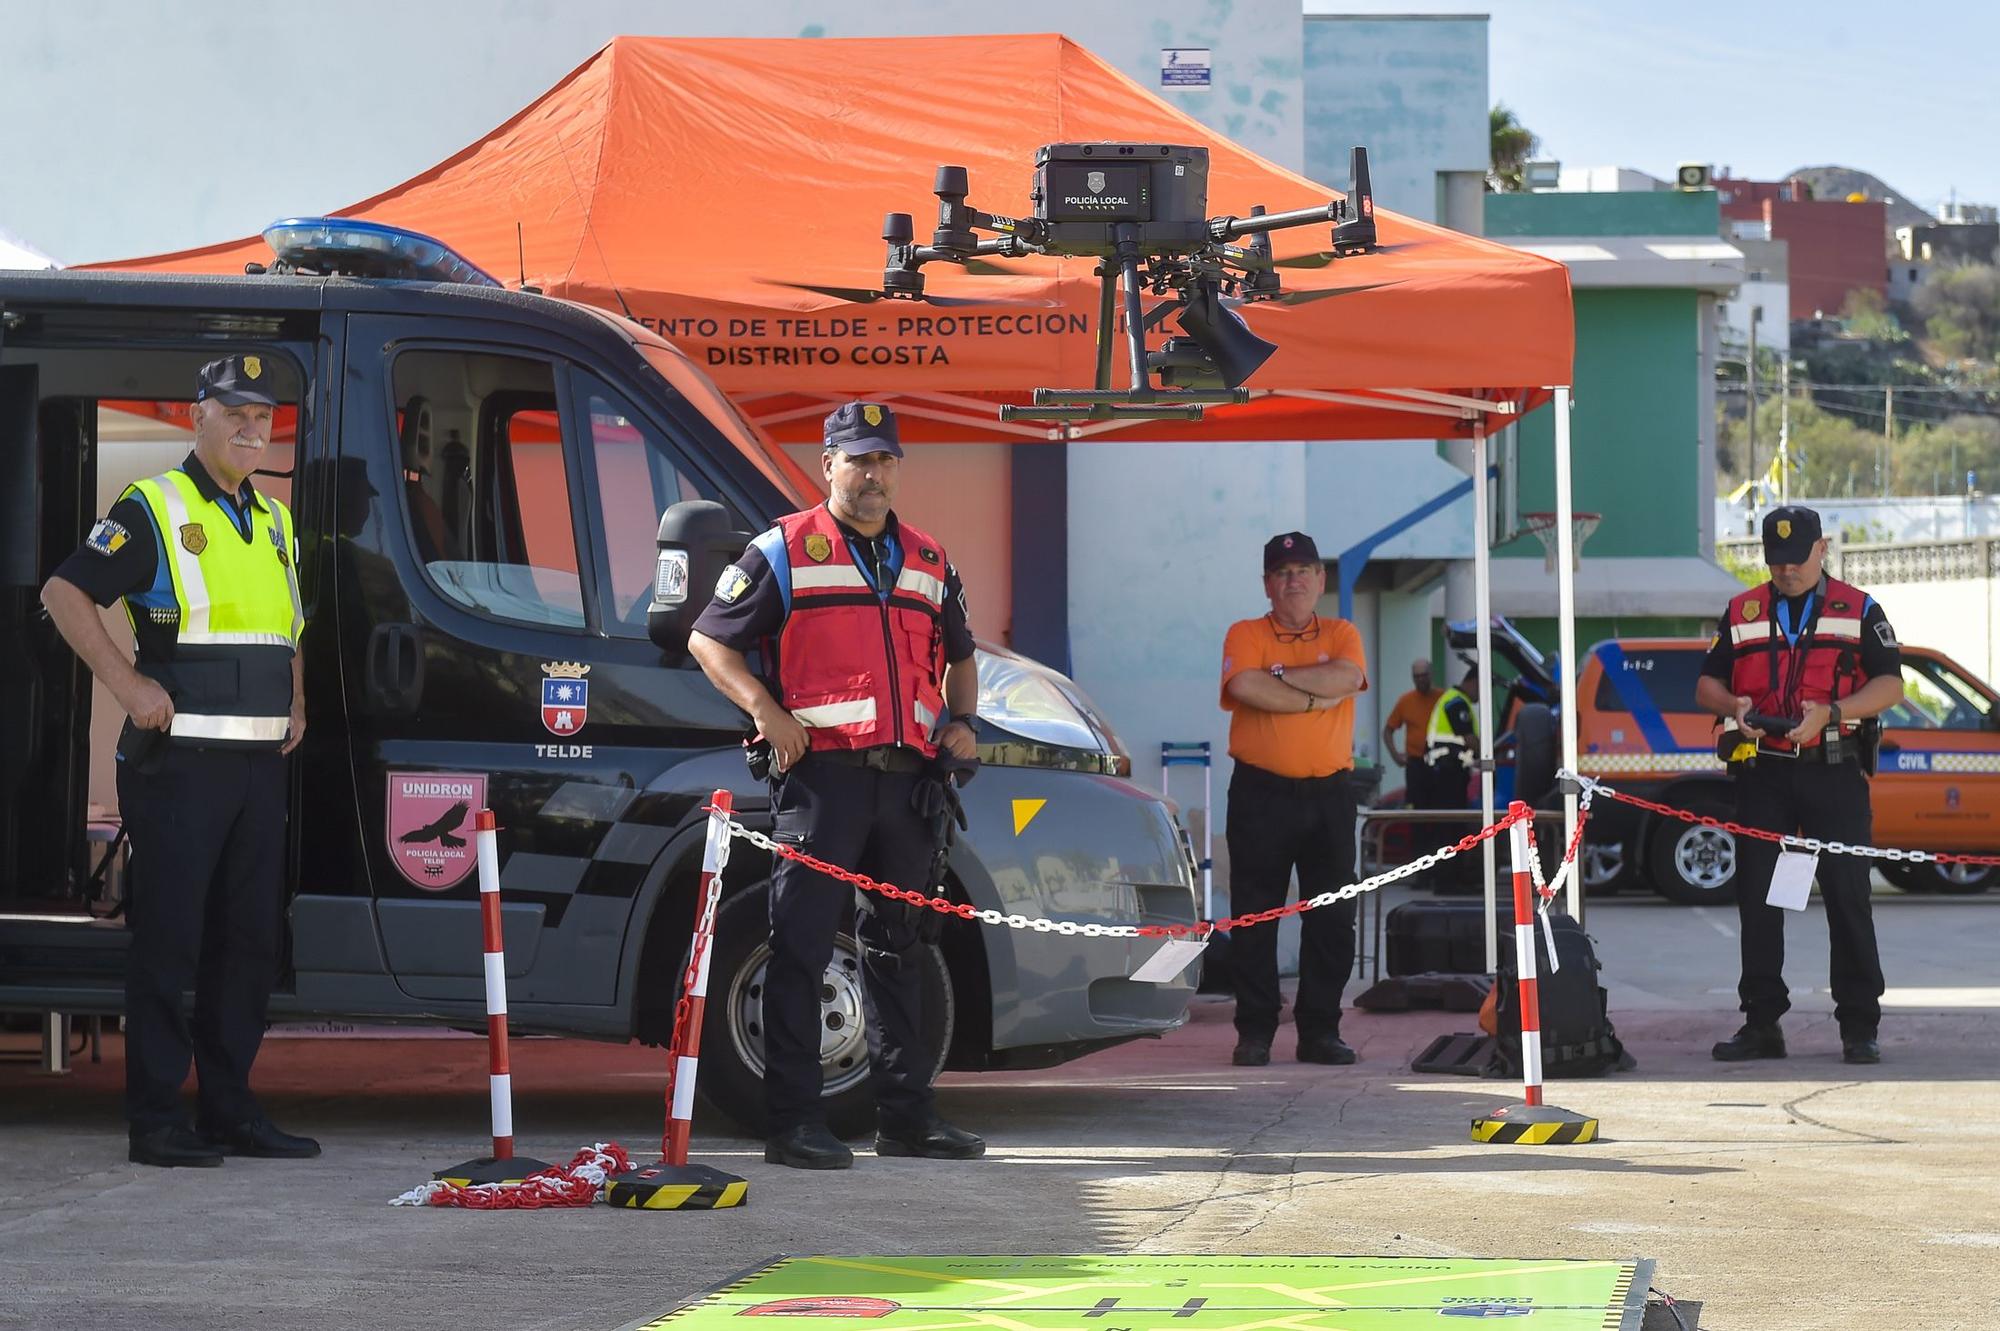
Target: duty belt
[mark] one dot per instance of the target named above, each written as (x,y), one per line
(881,758)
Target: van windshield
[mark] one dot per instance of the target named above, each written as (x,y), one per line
(710,401)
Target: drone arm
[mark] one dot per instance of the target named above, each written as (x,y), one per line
(1230,228)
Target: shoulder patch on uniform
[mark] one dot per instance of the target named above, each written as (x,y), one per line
(1886,634)
(732,584)
(818,547)
(1751,609)
(107,537)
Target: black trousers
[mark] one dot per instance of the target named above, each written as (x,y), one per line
(1277,825)
(1829,801)
(859,819)
(207,907)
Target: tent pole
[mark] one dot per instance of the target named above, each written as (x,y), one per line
(1566,625)
(1482,599)
(1107,306)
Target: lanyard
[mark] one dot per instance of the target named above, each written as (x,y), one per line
(1799,646)
(880,564)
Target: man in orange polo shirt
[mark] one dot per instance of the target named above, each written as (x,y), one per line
(1288,682)
(1412,715)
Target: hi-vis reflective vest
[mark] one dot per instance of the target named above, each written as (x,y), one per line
(1822,665)
(858,669)
(1441,741)
(238,615)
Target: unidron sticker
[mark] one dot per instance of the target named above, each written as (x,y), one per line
(430,825)
(565,697)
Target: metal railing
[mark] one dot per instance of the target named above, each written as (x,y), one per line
(1874,564)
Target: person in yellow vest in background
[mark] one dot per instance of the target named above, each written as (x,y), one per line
(1451,739)
(207,568)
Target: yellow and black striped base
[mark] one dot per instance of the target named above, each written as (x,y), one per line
(487,1169)
(665,1187)
(1534,1125)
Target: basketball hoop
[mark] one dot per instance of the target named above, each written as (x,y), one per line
(1543,527)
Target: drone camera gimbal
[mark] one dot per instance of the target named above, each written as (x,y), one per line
(1140,210)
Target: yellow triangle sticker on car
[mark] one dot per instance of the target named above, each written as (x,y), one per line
(1024,813)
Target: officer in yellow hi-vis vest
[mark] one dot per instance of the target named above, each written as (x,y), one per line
(207,568)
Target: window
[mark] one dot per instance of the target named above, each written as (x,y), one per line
(640,475)
(1668,678)
(1936,697)
(485,487)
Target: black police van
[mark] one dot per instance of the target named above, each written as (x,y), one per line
(478,477)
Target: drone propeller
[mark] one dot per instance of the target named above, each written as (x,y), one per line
(1304,297)
(866,295)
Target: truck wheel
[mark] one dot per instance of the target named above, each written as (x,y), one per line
(1690,863)
(732,1038)
(1537,752)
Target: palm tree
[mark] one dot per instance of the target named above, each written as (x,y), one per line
(1512,144)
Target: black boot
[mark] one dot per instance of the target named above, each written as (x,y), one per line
(1251,1053)
(931,1140)
(1325,1049)
(1860,1048)
(808,1146)
(262,1138)
(1752,1041)
(172,1146)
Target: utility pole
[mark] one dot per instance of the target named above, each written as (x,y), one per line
(1750,384)
(1888,432)
(1785,428)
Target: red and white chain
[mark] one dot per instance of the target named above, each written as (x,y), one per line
(1785,839)
(1092,929)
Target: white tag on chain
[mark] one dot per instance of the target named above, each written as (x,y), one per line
(1170,960)
(1549,934)
(1792,880)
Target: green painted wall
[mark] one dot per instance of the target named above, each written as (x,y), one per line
(1655,213)
(1635,431)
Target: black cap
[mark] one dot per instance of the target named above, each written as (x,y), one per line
(235,380)
(856,428)
(1292,547)
(1789,533)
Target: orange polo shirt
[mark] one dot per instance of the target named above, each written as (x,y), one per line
(1293,744)
(1413,714)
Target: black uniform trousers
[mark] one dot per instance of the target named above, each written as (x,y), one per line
(207,904)
(859,819)
(1277,824)
(1828,801)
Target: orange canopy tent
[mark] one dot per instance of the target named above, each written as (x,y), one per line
(684,180)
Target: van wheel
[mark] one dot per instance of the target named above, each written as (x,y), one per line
(1954,879)
(1537,745)
(1690,863)
(1607,867)
(732,1036)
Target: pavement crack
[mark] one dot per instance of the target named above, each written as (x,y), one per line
(1791,1107)
(1188,1210)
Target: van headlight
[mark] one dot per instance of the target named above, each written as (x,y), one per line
(1054,722)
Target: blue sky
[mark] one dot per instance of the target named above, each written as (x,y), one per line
(1907,91)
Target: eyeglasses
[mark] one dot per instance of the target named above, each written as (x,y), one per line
(1288,635)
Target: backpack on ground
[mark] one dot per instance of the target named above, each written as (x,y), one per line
(1577,1036)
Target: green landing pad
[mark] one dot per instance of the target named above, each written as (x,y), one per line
(1163,1293)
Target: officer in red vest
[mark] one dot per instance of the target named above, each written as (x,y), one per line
(1821,655)
(868,675)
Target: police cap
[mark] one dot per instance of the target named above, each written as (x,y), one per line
(235,380)
(857,428)
(1789,534)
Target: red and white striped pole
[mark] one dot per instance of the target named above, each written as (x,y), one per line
(694,986)
(1524,965)
(1530,1123)
(486,839)
(502,1166)
(673,1184)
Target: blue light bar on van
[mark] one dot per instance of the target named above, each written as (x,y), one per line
(350,248)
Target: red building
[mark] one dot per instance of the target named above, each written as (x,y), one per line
(1835,247)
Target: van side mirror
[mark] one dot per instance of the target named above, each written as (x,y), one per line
(696,542)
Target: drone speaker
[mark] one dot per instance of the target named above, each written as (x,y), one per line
(1224,337)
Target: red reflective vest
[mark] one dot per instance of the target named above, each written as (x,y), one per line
(1780,678)
(856,670)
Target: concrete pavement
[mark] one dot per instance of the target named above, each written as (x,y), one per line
(1801,1194)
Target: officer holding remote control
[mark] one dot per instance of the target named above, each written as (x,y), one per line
(1799,668)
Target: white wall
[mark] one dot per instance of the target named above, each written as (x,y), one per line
(1958,618)
(1412,89)
(1774,331)
(141,103)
